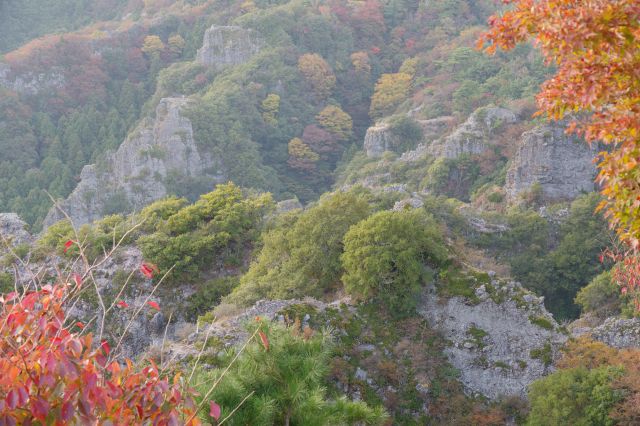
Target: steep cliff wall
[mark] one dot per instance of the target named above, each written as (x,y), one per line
(154,156)
(228,45)
(561,164)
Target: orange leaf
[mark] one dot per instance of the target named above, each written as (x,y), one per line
(265,341)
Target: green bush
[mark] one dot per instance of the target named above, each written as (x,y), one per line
(574,397)
(301,256)
(216,227)
(208,294)
(386,256)
(601,296)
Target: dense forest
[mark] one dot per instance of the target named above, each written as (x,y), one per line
(331,212)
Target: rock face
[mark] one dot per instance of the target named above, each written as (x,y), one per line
(617,332)
(472,136)
(31,83)
(562,165)
(158,152)
(13,229)
(378,139)
(228,45)
(501,342)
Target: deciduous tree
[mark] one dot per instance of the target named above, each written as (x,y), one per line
(318,74)
(595,46)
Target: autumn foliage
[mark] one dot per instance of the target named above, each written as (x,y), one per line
(50,374)
(595,46)
(318,73)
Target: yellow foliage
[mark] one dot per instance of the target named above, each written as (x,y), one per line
(336,121)
(152,45)
(361,62)
(318,74)
(390,91)
(270,107)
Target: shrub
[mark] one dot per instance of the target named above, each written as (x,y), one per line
(385,257)
(52,375)
(301,256)
(601,296)
(217,226)
(576,396)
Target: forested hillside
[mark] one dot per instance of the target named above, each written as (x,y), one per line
(300,212)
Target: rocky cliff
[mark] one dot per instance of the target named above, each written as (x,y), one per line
(501,341)
(156,155)
(380,138)
(473,136)
(13,230)
(561,164)
(228,45)
(31,83)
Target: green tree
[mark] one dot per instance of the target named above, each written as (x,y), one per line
(386,257)
(301,256)
(574,397)
(285,379)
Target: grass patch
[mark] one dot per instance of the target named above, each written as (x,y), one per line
(541,322)
(544,354)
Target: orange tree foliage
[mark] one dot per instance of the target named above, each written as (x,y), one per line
(390,91)
(51,375)
(318,74)
(595,46)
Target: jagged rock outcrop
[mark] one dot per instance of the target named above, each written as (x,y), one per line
(616,332)
(228,45)
(500,342)
(380,138)
(13,230)
(561,164)
(473,136)
(157,152)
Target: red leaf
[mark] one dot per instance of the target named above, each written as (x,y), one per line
(265,341)
(214,410)
(80,325)
(146,270)
(68,245)
(12,399)
(40,409)
(154,305)
(67,411)
(105,346)
(123,304)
